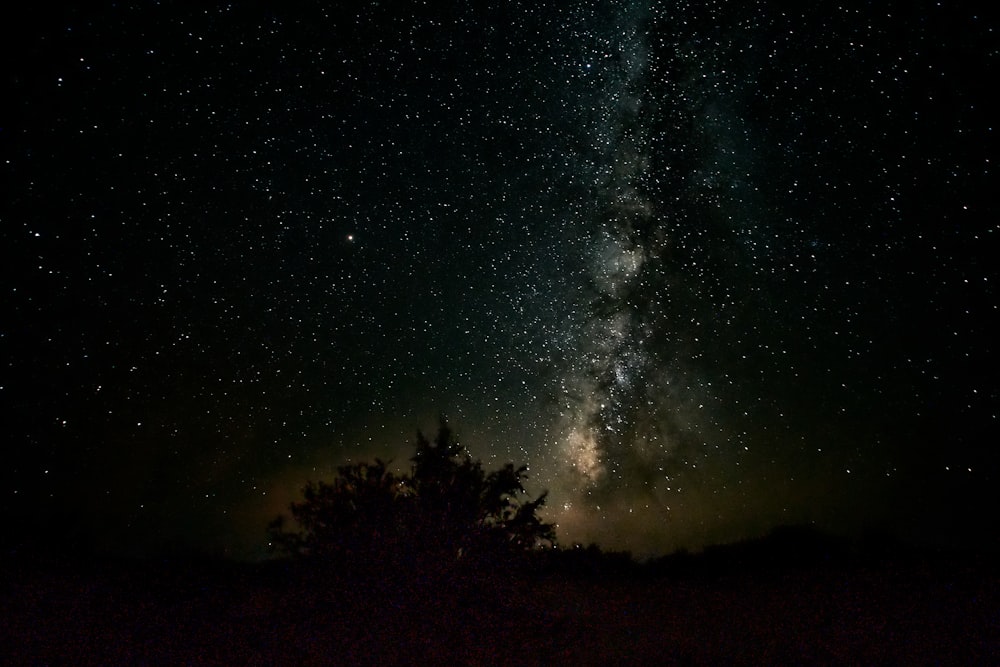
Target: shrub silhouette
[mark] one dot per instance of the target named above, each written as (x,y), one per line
(448,507)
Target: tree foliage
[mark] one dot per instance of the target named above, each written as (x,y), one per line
(448,506)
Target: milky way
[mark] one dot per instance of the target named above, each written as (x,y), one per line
(602,400)
(707,268)
(664,167)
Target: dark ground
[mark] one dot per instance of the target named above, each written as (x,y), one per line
(694,610)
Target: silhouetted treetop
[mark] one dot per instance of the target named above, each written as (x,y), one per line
(448,505)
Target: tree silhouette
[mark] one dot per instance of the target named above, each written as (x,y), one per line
(448,508)
(357,512)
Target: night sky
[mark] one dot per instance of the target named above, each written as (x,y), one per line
(707,267)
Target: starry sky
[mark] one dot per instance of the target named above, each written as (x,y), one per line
(706,267)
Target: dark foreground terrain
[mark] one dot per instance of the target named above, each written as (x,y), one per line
(912,611)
